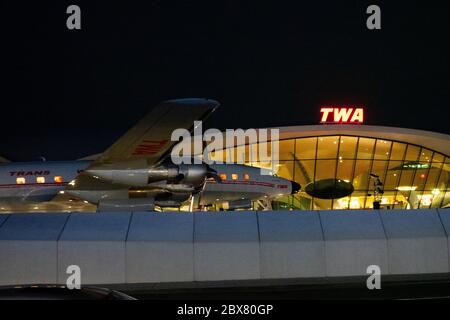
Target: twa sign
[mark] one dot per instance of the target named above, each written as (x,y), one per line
(342,115)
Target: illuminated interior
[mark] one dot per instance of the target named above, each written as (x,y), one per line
(412,176)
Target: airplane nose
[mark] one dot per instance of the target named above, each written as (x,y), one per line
(295,187)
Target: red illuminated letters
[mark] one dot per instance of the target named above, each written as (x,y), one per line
(342,115)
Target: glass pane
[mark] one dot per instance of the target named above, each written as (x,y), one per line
(251,152)
(306,148)
(327,147)
(437,157)
(425,155)
(230,154)
(443,179)
(438,196)
(341,204)
(425,199)
(365,148)
(379,168)
(361,180)
(322,204)
(304,172)
(357,199)
(286,150)
(412,153)
(433,176)
(325,169)
(420,179)
(218,156)
(264,151)
(400,201)
(392,175)
(369,202)
(302,202)
(286,170)
(446,199)
(387,200)
(382,149)
(282,203)
(398,151)
(347,147)
(264,165)
(406,178)
(241,154)
(345,170)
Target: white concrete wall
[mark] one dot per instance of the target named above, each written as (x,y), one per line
(417,242)
(118,248)
(353,241)
(444,215)
(292,245)
(160,248)
(95,243)
(28,248)
(226,246)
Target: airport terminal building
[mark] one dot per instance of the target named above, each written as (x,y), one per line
(410,166)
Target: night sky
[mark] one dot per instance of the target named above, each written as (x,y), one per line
(66,94)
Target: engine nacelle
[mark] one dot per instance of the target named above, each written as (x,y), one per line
(188,174)
(193,174)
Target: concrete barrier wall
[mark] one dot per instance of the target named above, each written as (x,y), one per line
(226,246)
(291,245)
(417,242)
(95,243)
(353,241)
(143,247)
(28,248)
(160,248)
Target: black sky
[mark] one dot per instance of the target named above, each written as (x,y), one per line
(67,94)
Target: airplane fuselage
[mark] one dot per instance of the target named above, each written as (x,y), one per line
(42,181)
(37,181)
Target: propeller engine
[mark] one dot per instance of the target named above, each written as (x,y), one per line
(194,175)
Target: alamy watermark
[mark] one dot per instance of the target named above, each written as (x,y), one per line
(228,147)
(374,279)
(74,279)
(73,22)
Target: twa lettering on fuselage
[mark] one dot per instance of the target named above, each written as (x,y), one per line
(29,173)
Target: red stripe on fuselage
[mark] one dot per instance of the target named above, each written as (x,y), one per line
(33,185)
(250,183)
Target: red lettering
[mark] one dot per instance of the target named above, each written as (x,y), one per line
(149,147)
(342,115)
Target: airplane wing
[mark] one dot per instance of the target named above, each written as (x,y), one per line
(149,141)
(150,138)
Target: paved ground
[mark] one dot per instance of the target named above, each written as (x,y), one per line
(403,290)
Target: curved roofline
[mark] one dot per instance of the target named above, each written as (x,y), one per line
(432,140)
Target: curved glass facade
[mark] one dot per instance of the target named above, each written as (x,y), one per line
(412,176)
